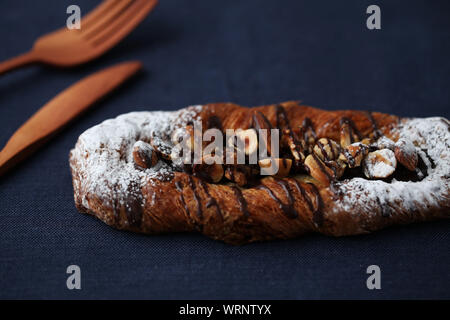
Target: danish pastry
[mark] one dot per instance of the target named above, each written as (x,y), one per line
(338,172)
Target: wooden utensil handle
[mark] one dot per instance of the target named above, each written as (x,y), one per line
(17,62)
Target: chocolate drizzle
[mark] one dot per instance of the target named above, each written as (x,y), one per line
(288,209)
(307,124)
(304,195)
(376,132)
(282,119)
(212,201)
(352,127)
(318,216)
(196,197)
(179,187)
(258,116)
(241,200)
(323,169)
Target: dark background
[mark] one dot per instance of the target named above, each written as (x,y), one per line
(248,52)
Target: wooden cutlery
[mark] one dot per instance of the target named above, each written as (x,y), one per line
(101,29)
(60,110)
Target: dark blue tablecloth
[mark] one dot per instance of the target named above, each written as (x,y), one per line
(250,52)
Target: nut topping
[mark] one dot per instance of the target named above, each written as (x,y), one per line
(239,174)
(406,154)
(144,156)
(270,166)
(380,164)
(249,140)
(208,170)
(326,149)
(319,170)
(353,154)
(260,122)
(348,134)
(296,147)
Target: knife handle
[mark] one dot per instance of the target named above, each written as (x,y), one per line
(58,112)
(17,62)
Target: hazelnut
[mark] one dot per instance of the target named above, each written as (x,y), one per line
(326,149)
(260,122)
(144,156)
(379,164)
(353,154)
(249,140)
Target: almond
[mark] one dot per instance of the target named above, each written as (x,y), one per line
(406,154)
(295,146)
(348,136)
(319,170)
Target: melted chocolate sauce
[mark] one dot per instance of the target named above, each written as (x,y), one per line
(353,129)
(241,200)
(212,201)
(179,187)
(377,132)
(323,169)
(288,208)
(196,197)
(318,216)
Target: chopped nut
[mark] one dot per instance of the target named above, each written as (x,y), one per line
(143,155)
(380,164)
(385,143)
(406,154)
(279,167)
(307,136)
(319,170)
(348,136)
(260,122)
(296,147)
(326,149)
(239,174)
(249,139)
(210,172)
(353,154)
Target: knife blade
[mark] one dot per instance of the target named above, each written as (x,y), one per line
(59,111)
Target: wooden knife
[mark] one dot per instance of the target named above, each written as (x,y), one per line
(61,110)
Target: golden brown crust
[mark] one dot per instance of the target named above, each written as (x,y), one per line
(273,209)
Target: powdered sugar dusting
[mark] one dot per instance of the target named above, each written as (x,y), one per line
(103,153)
(430,136)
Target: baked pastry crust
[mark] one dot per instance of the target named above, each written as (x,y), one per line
(164,199)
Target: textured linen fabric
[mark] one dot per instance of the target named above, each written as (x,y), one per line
(250,52)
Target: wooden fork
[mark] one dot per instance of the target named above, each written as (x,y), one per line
(101,29)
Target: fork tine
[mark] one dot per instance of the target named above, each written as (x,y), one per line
(98,11)
(102,21)
(124,24)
